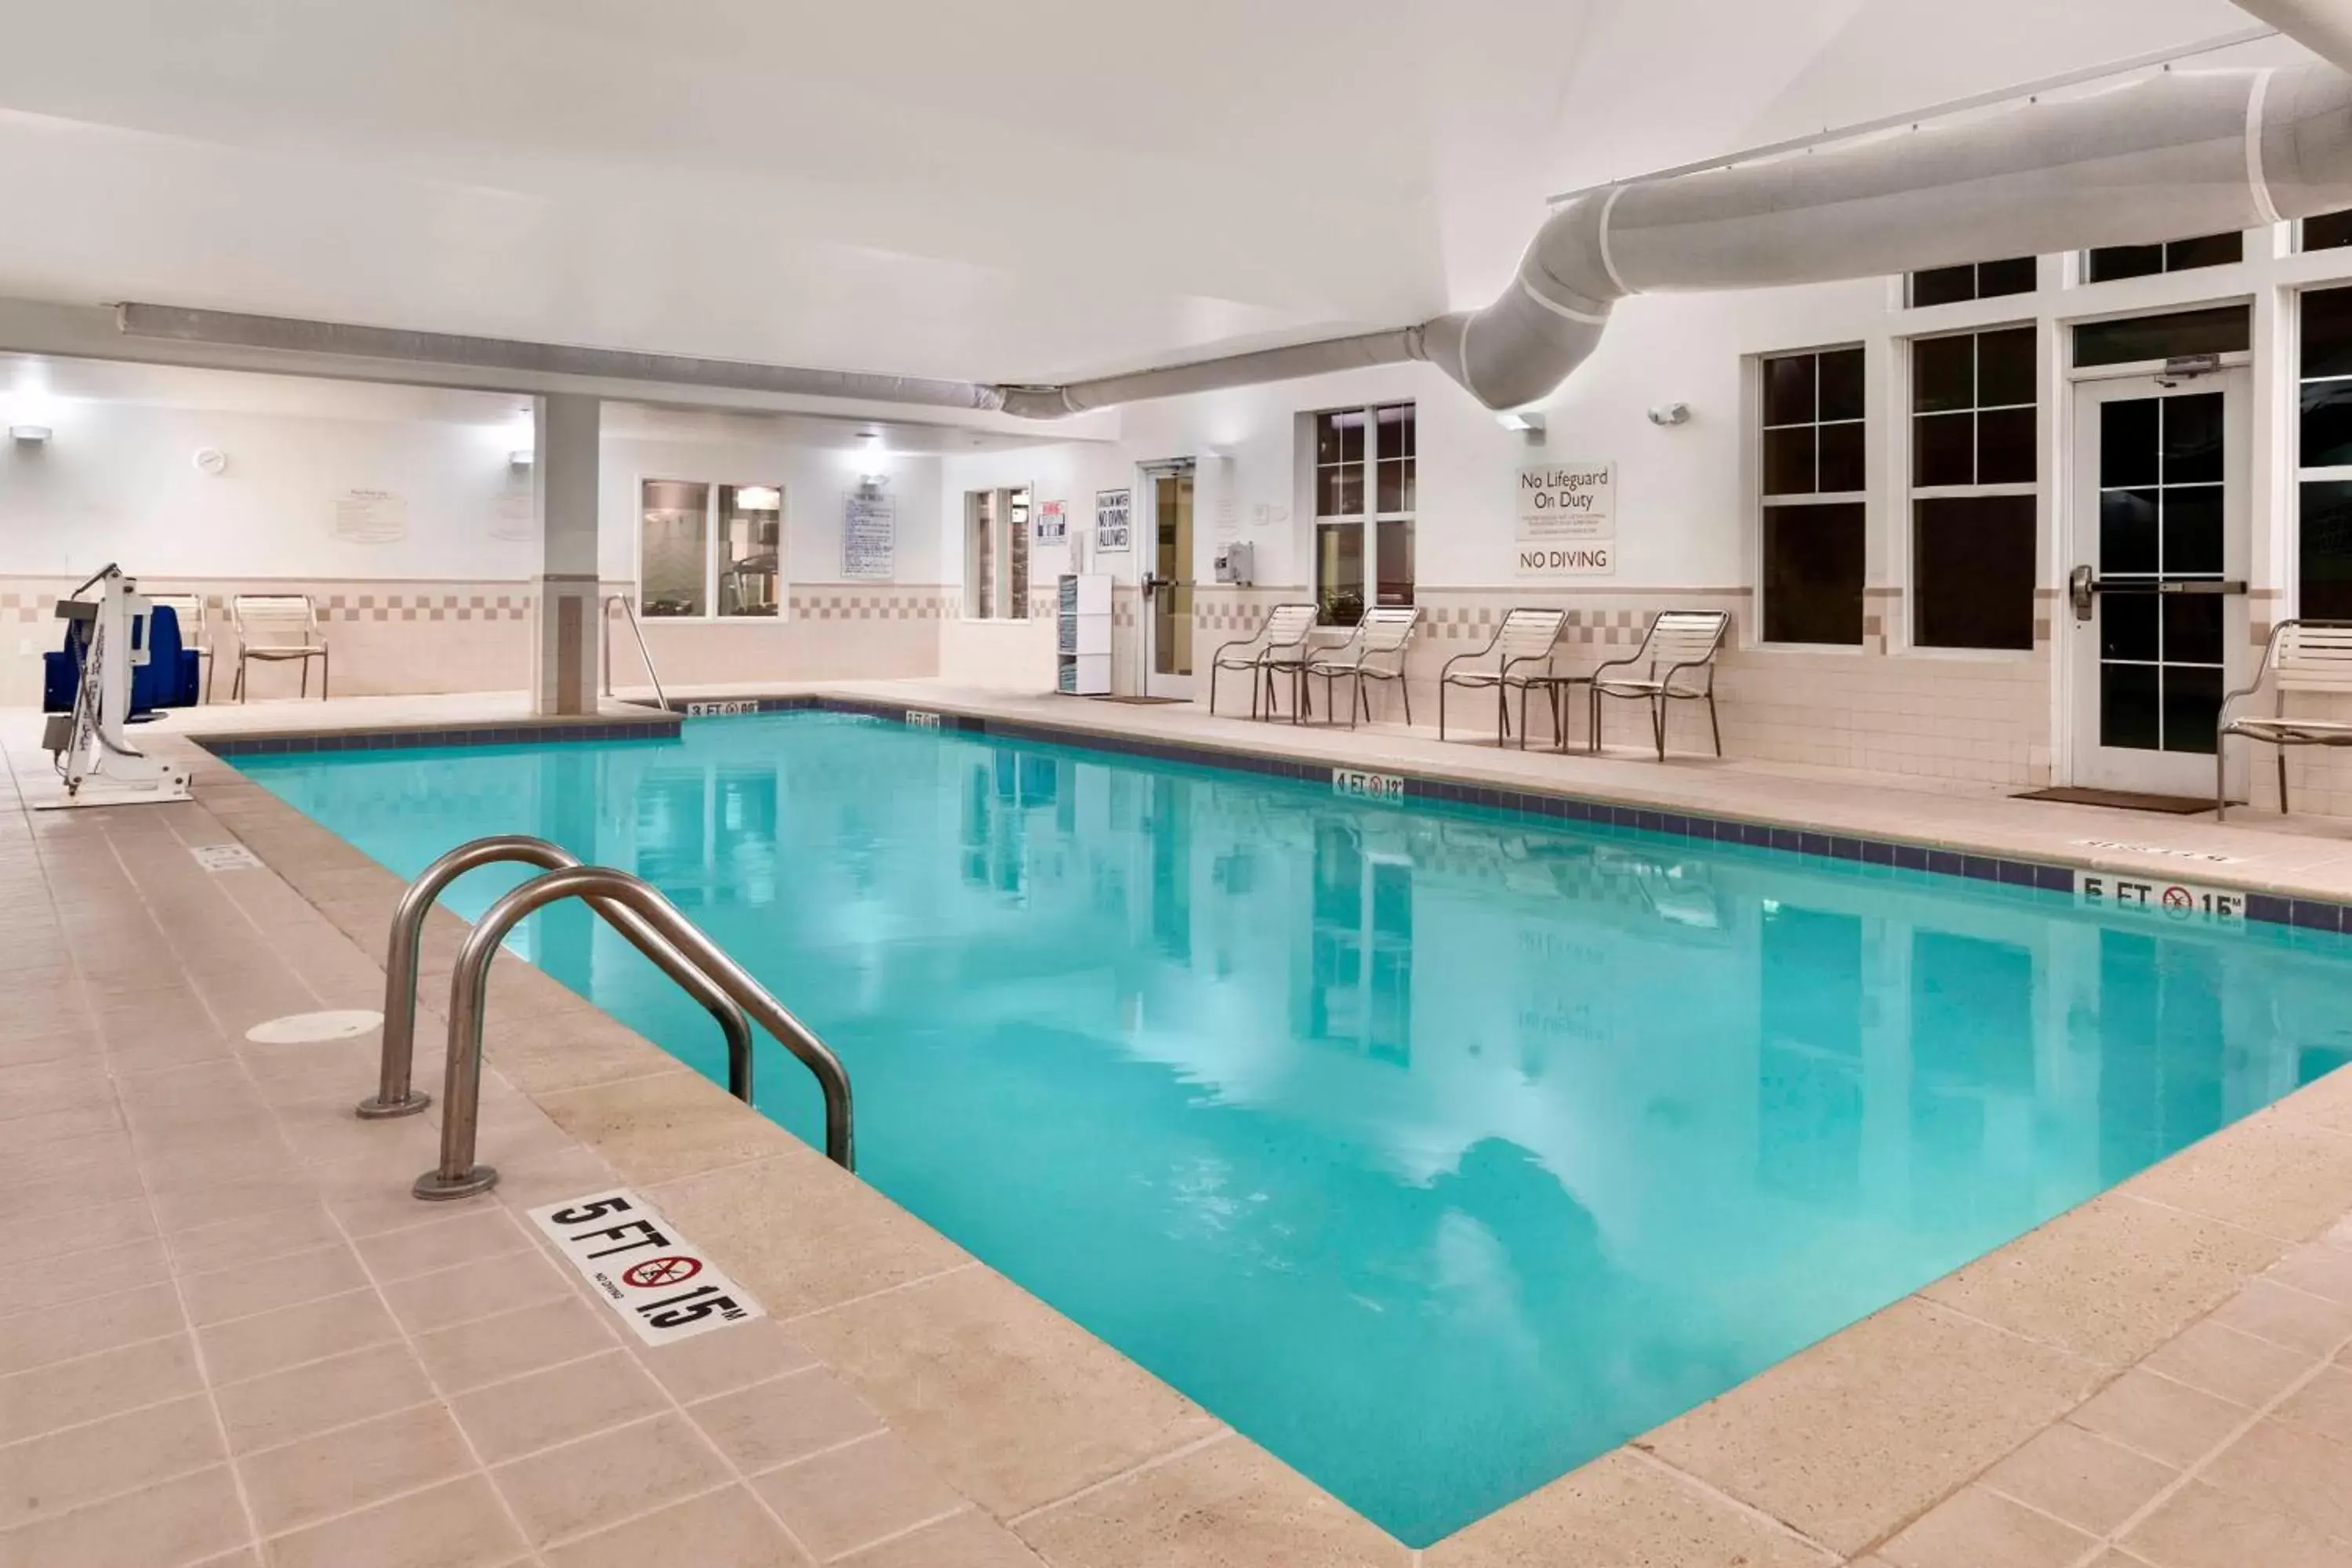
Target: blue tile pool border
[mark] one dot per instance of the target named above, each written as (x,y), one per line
(2269,909)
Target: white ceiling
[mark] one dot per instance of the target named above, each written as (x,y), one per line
(1033,189)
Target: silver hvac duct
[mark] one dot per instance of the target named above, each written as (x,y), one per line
(2323,27)
(2179,153)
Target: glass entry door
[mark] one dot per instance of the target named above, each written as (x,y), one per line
(1168,583)
(2155,603)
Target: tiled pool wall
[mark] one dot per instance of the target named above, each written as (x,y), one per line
(2307,914)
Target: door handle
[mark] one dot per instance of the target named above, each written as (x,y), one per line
(2082,584)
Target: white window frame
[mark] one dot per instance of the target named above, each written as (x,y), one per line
(1764,503)
(1914,492)
(1367,522)
(713,548)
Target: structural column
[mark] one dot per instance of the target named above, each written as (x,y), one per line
(569,620)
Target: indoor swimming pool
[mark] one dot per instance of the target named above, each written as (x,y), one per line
(1437,1150)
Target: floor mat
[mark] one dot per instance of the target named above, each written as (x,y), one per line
(2122,799)
(1144,701)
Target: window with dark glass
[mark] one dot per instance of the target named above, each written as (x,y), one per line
(1975,281)
(2109,263)
(1815,474)
(2324,457)
(2139,339)
(1365,478)
(2330,231)
(1974,501)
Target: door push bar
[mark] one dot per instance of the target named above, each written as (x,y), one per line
(2085,584)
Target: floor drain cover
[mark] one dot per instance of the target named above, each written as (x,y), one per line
(306,1028)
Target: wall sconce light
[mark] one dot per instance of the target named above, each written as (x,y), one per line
(28,435)
(1669,413)
(520,458)
(1530,425)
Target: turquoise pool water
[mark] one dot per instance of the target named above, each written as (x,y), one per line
(1436,1150)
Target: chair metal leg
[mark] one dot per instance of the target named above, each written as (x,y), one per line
(1523,718)
(322,676)
(1714,723)
(306,676)
(237,687)
(1213,692)
(1658,725)
(1404,689)
(1441,710)
(2282,772)
(1592,722)
(1502,716)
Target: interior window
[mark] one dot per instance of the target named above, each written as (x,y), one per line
(1973,496)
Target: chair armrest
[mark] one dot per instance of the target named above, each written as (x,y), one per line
(1617,664)
(1706,664)
(1224,649)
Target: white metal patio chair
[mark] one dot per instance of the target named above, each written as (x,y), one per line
(2301,656)
(1522,651)
(195,631)
(1280,642)
(1375,651)
(272,628)
(1678,652)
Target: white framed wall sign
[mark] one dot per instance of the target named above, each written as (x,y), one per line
(1566,520)
(1053,524)
(1114,521)
(869,536)
(370,517)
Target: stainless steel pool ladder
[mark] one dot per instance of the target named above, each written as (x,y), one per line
(629,613)
(630,905)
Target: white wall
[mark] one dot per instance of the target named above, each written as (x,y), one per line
(117,481)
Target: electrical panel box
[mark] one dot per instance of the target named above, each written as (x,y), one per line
(1237,563)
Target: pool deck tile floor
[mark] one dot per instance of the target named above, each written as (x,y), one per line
(233,1338)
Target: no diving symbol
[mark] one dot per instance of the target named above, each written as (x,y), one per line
(661,1271)
(2179,900)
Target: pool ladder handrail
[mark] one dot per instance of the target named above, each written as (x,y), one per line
(637,629)
(653,925)
(404,949)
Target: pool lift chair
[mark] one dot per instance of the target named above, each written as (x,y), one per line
(87,745)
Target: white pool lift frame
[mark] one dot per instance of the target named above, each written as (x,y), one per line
(95,758)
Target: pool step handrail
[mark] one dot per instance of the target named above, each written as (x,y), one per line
(637,629)
(395,1094)
(457,1175)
